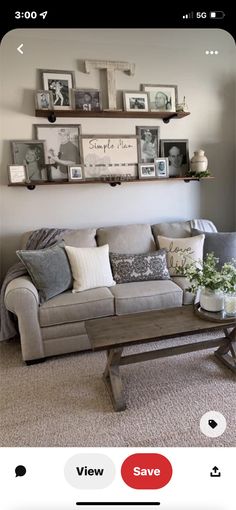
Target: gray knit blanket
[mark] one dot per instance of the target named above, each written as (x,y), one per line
(38,240)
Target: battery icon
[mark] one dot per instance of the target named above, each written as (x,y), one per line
(217,14)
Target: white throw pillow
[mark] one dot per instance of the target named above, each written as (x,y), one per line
(90,267)
(182,251)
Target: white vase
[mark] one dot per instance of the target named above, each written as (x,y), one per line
(212,300)
(199,162)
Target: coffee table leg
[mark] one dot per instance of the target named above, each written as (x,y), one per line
(227,353)
(112,379)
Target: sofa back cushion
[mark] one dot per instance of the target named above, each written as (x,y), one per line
(128,239)
(139,268)
(81,238)
(174,229)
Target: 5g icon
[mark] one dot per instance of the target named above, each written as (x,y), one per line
(201,14)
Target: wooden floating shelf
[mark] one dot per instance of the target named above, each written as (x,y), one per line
(136,114)
(32,185)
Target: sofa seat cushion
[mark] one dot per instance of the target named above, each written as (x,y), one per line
(143,296)
(184,283)
(69,307)
(130,239)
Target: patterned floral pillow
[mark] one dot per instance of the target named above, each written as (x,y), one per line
(139,268)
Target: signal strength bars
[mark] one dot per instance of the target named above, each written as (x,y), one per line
(190,15)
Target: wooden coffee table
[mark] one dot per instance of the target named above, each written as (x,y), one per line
(116,332)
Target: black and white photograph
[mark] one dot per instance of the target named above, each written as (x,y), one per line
(135,101)
(31,154)
(162,167)
(148,143)
(177,152)
(162,98)
(146,171)
(62,147)
(75,173)
(44,100)
(60,83)
(87,100)
(17,174)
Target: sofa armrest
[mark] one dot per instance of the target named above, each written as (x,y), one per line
(21,298)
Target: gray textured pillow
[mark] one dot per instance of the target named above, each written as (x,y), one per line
(49,270)
(138,268)
(222,244)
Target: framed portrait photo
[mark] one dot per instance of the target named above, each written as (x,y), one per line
(135,101)
(75,173)
(87,100)
(162,98)
(17,174)
(62,147)
(148,143)
(31,154)
(60,83)
(147,171)
(162,167)
(177,152)
(44,100)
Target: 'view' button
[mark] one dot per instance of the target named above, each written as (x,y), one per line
(90,471)
(146,471)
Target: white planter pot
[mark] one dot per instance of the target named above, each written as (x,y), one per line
(212,300)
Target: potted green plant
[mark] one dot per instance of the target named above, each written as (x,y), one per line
(217,284)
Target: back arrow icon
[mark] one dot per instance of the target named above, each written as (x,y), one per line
(20,49)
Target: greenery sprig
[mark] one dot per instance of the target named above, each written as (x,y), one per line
(208,274)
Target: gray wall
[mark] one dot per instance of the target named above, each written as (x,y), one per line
(161,56)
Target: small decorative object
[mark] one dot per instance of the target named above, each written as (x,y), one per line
(75,173)
(44,100)
(147,172)
(230,304)
(135,101)
(177,152)
(30,153)
(162,167)
(148,143)
(162,98)
(17,174)
(213,282)
(110,66)
(60,83)
(87,99)
(199,162)
(182,107)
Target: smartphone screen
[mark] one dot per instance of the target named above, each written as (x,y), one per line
(118,249)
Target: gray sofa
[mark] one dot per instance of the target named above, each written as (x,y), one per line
(58,325)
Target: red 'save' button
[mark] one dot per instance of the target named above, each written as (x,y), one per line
(146,471)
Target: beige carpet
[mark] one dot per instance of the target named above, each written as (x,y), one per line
(63,402)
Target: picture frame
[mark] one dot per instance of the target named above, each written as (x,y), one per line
(62,147)
(60,83)
(147,171)
(162,168)
(148,143)
(177,152)
(162,98)
(31,154)
(87,99)
(135,100)
(109,155)
(75,173)
(44,100)
(17,174)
